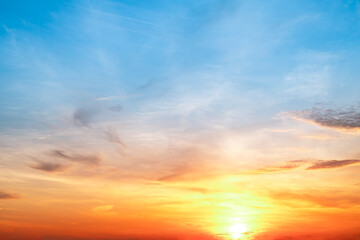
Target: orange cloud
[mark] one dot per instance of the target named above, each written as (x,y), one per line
(320,198)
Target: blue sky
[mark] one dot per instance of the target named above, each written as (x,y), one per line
(194,66)
(55,53)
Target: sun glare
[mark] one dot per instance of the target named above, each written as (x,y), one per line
(237,230)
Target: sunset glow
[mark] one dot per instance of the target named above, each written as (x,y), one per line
(179,120)
(237,230)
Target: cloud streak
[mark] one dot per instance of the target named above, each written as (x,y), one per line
(83,116)
(315,164)
(5,196)
(346,118)
(113,136)
(332,164)
(84,159)
(289,165)
(324,199)
(48,166)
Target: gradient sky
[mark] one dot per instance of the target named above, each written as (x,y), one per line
(187,120)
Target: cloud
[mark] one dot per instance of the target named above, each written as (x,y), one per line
(345,118)
(4,195)
(308,235)
(178,174)
(187,163)
(116,108)
(315,164)
(48,166)
(148,84)
(197,189)
(320,198)
(83,116)
(103,208)
(289,165)
(108,98)
(113,136)
(84,159)
(324,164)
(183,172)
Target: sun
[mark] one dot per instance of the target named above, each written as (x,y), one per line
(237,230)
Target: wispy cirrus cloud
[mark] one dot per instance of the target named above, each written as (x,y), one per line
(286,166)
(84,159)
(347,118)
(188,164)
(113,136)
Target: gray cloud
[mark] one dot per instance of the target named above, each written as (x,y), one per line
(48,166)
(84,159)
(113,136)
(83,116)
(344,118)
(315,164)
(324,164)
(4,195)
(148,84)
(116,108)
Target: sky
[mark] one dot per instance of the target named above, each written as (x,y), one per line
(179,120)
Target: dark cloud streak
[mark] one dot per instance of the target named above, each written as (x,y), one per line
(83,116)
(325,164)
(6,196)
(315,164)
(116,108)
(48,166)
(113,136)
(84,159)
(344,118)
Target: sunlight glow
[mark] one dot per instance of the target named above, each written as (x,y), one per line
(237,230)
